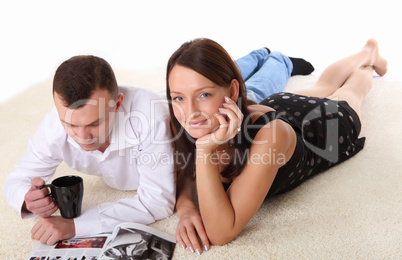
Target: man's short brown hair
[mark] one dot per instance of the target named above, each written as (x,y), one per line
(78,77)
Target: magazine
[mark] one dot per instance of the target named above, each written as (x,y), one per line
(128,241)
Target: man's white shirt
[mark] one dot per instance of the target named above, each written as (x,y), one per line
(140,157)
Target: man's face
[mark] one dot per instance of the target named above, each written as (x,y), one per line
(90,125)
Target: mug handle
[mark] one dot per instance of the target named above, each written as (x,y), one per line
(47,186)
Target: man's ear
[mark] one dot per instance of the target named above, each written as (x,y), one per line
(119,101)
(234,90)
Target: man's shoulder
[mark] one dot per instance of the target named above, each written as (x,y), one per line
(133,93)
(51,126)
(143,100)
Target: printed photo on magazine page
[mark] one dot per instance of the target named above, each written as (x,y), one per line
(128,241)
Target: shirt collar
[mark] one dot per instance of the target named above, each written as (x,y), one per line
(123,135)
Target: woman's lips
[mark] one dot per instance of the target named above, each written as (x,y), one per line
(196,123)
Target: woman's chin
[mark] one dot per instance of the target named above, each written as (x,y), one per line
(198,133)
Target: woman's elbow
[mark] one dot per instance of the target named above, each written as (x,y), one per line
(220,238)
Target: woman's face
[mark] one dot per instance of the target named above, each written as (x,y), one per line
(195,100)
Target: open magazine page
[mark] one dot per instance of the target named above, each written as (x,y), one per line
(128,241)
(136,241)
(88,248)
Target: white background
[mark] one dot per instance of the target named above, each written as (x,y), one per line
(36,36)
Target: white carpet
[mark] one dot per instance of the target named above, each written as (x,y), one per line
(353,211)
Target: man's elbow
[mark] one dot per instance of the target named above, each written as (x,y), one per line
(169,211)
(164,212)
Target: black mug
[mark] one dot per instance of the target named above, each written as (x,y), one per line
(67,192)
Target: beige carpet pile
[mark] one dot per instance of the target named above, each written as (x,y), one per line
(353,211)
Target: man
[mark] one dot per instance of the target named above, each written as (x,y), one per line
(119,134)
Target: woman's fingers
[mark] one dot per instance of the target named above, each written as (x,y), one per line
(232,124)
(203,235)
(183,238)
(195,245)
(189,233)
(180,239)
(233,106)
(230,119)
(187,238)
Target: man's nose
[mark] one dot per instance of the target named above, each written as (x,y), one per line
(83,133)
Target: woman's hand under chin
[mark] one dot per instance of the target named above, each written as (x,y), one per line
(230,119)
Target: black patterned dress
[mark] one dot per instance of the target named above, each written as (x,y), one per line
(326,131)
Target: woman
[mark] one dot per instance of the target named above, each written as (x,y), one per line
(234,154)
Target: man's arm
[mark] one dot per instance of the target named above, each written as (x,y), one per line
(36,200)
(41,160)
(155,196)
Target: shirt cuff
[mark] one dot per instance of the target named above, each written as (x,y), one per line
(19,202)
(88,223)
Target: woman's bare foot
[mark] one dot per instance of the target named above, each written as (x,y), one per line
(379,63)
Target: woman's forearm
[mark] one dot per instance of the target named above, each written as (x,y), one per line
(186,198)
(215,207)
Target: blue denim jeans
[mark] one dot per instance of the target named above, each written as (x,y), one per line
(264,73)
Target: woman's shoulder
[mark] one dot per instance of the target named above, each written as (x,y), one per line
(271,123)
(275,135)
(256,111)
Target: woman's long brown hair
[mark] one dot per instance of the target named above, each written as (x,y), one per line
(211,60)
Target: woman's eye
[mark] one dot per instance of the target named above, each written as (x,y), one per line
(177,99)
(204,95)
